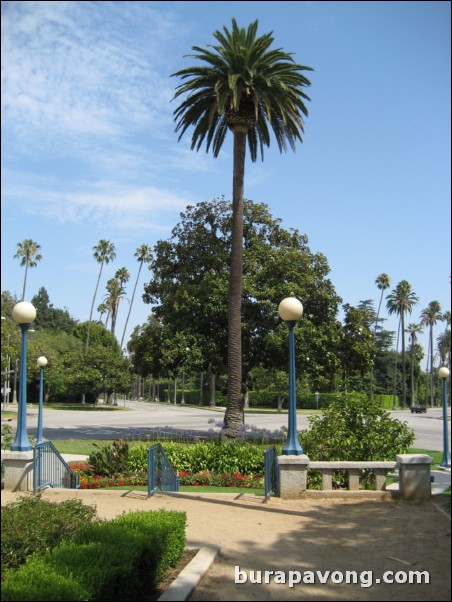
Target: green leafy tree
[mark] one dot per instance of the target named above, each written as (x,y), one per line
(27,252)
(48,316)
(401,301)
(429,317)
(358,342)
(143,255)
(190,283)
(241,85)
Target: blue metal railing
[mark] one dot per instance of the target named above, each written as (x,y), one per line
(51,470)
(161,474)
(271,472)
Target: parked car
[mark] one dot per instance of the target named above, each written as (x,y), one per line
(418,409)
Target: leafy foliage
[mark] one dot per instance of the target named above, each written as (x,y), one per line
(111,459)
(115,560)
(355,428)
(32,524)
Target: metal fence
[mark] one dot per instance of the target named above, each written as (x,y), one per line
(271,472)
(161,474)
(51,470)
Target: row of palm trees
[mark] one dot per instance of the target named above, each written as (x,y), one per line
(401,302)
(105,252)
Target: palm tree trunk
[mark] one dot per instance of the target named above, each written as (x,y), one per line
(25,281)
(130,306)
(432,394)
(233,418)
(402,319)
(92,307)
(375,335)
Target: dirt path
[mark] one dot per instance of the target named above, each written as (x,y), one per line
(301,535)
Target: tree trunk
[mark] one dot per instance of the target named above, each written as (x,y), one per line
(201,384)
(233,418)
(402,318)
(213,383)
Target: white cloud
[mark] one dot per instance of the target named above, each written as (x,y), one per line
(68,71)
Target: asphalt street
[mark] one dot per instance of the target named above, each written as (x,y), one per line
(134,418)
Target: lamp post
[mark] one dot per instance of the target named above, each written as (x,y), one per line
(443,373)
(42,363)
(23,314)
(317,397)
(291,310)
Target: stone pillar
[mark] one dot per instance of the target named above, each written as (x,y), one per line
(414,476)
(18,470)
(293,472)
(380,479)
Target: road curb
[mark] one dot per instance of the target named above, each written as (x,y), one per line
(190,576)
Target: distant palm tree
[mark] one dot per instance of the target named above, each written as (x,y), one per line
(383,281)
(400,302)
(242,87)
(429,317)
(115,294)
(414,330)
(143,255)
(27,253)
(122,275)
(102,309)
(104,252)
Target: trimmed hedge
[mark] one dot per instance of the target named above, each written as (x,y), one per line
(123,559)
(32,524)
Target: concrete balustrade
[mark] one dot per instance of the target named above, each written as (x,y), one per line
(414,472)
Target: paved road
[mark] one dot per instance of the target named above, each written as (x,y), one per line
(142,417)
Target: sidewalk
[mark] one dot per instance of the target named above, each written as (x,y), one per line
(367,537)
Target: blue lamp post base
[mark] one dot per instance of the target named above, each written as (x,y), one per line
(292,446)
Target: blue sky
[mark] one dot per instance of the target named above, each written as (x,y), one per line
(89,150)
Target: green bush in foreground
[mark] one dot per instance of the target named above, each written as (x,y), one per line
(355,428)
(32,524)
(123,559)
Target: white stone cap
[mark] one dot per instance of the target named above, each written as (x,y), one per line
(303,459)
(347,464)
(414,459)
(8,454)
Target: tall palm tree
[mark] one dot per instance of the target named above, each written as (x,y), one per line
(115,294)
(143,255)
(429,317)
(401,301)
(242,86)
(413,329)
(123,275)
(27,252)
(103,252)
(383,282)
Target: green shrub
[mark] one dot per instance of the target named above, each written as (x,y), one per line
(213,456)
(355,428)
(121,559)
(32,524)
(111,459)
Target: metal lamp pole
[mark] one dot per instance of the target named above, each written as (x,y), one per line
(23,314)
(291,310)
(42,363)
(443,373)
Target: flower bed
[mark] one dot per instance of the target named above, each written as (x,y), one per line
(136,479)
